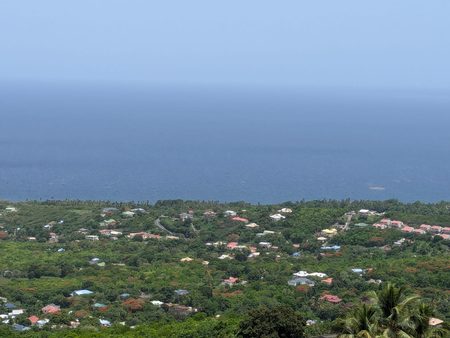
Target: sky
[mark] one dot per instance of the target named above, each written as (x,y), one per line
(383,43)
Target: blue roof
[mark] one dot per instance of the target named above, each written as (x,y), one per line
(10,306)
(296,254)
(20,328)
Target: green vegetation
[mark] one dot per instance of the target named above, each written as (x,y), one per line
(136,282)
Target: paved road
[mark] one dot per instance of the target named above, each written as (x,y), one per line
(160,226)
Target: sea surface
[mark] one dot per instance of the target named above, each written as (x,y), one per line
(222,143)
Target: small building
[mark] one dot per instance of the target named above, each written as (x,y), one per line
(51,309)
(301,281)
(328,281)
(239,219)
(83,292)
(181,292)
(277,217)
(230,213)
(230,281)
(252,225)
(285,210)
(33,319)
(331,298)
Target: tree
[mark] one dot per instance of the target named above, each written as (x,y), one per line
(362,322)
(393,303)
(272,322)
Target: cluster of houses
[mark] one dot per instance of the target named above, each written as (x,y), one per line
(42,319)
(435,230)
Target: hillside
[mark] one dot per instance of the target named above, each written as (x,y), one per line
(193,269)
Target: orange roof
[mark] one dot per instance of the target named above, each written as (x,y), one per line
(33,319)
(328,280)
(239,219)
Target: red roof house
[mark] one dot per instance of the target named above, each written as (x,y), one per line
(33,319)
(331,298)
(231,281)
(232,245)
(239,219)
(425,227)
(407,229)
(51,309)
(327,281)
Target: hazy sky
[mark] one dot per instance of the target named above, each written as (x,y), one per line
(383,43)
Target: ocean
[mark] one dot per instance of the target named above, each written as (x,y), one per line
(261,145)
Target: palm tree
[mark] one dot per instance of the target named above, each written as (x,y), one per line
(361,323)
(393,304)
(419,325)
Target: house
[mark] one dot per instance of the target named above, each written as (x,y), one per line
(310,322)
(329,232)
(20,328)
(209,214)
(435,321)
(296,254)
(225,257)
(419,231)
(265,233)
(92,237)
(436,229)
(16,312)
(300,281)
(301,273)
(379,226)
(108,223)
(317,274)
(33,319)
(327,281)
(331,248)
(322,239)
(444,236)
(331,298)
(109,211)
(232,245)
(407,229)
(139,210)
(100,306)
(143,235)
(252,225)
(124,295)
(446,230)
(10,209)
(157,303)
(285,210)
(361,225)
(230,213)
(230,281)
(178,310)
(385,221)
(186,259)
(181,292)
(128,214)
(358,271)
(83,292)
(104,322)
(239,219)
(364,212)
(266,245)
(277,217)
(184,216)
(51,309)
(10,306)
(425,227)
(61,250)
(397,224)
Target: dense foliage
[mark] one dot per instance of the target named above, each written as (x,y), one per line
(46,256)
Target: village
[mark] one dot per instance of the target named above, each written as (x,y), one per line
(254,238)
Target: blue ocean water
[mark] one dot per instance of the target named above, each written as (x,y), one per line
(222,143)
